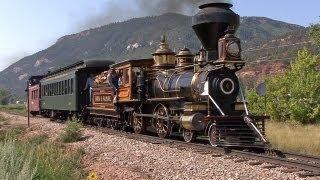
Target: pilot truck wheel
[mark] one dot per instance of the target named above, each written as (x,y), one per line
(213,135)
(189,136)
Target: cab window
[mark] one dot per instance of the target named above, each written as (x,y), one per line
(125,76)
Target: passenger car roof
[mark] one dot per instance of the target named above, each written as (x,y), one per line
(88,63)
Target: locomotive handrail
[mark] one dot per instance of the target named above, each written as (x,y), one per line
(217,106)
(166,99)
(206,93)
(169,80)
(254,128)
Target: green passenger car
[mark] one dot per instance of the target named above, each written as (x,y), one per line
(63,91)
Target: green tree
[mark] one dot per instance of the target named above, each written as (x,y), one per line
(256,102)
(314,33)
(294,95)
(4,97)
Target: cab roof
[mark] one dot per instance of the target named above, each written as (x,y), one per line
(134,63)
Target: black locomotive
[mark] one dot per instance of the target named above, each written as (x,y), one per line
(193,95)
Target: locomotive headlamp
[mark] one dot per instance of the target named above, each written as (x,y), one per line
(229,48)
(233,49)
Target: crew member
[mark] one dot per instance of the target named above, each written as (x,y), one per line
(88,88)
(112,80)
(120,78)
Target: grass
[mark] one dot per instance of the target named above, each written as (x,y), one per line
(304,139)
(3,120)
(37,158)
(12,133)
(72,132)
(14,109)
(15,164)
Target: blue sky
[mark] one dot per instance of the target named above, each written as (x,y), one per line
(28,26)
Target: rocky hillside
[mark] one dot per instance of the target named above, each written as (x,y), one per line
(139,37)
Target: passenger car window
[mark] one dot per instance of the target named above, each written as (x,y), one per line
(65,87)
(72,86)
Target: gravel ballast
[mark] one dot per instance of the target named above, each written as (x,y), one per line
(114,157)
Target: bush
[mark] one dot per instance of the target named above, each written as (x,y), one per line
(314,33)
(53,162)
(256,102)
(73,132)
(14,163)
(4,97)
(294,95)
(36,158)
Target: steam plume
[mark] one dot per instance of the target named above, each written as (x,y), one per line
(115,10)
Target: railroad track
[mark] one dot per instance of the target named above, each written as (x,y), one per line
(305,166)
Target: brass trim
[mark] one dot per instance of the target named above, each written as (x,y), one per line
(178,79)
(193,88)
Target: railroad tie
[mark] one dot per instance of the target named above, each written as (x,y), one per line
(216,155)
(270,166)
(255,163)
(290,170)
(240,160)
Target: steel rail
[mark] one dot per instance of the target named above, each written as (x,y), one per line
(306,158)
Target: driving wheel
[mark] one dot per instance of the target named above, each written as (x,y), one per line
(162,124)
(138,123)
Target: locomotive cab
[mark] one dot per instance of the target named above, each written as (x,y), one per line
(129,73)
(110,106)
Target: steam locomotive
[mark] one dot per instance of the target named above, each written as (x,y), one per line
(185,94)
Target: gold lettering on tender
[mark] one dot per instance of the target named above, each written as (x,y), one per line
(102,98)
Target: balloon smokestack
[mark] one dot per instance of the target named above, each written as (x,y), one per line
(212,22)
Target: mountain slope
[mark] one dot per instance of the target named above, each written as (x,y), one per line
(135,38)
